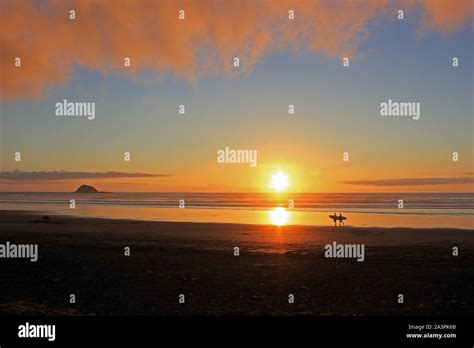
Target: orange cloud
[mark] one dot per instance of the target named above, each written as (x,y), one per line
(51,45)
(446,16)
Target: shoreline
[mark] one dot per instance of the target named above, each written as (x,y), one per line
(263,218)
(38,213)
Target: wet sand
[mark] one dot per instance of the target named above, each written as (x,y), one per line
(85,256)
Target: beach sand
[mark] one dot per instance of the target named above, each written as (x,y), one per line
(85,257)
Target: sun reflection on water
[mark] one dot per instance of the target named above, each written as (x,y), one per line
(279,216)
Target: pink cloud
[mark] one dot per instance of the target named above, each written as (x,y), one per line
(150,33)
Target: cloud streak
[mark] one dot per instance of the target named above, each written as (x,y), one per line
(411,181)
(63,175)
(51,45)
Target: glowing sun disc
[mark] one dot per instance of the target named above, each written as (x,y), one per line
(279,182)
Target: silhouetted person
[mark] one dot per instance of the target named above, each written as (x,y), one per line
(335,219)
(340,220)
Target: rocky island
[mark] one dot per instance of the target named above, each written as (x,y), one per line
(87,189)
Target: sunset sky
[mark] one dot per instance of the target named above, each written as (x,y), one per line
(283,62)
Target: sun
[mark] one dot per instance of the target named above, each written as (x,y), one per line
(279,182)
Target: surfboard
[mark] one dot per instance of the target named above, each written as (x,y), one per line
(337,217)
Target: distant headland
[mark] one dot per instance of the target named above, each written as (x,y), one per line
(87,189)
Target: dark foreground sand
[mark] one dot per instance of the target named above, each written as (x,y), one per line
(85,256)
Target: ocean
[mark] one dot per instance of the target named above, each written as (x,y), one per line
(362,209)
